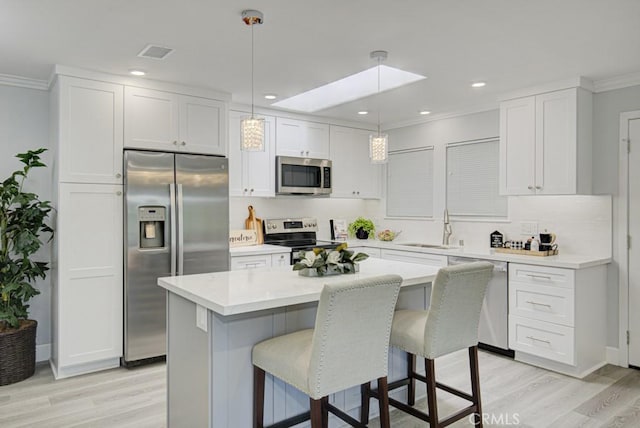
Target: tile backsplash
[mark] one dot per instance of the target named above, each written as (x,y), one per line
(582,224)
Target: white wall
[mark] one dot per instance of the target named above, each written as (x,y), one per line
(24,119)
(607,107)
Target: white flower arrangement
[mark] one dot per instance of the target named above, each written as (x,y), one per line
(329,262)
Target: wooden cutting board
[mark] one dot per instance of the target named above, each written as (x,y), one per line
(254,223)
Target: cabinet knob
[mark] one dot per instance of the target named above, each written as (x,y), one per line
(307,153)
(251,190)
(183,143)
(118,175)
(530,187)
(358,192)
(245,190)
(539,187)
(301,152)
(175,143)
(118,193)
(354,192)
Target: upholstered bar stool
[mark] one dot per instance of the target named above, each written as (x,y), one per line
(348,347)
(450,324)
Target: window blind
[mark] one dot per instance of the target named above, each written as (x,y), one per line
(472,179)
(410,183)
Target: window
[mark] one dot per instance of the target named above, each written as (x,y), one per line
(410,183)
(472,179)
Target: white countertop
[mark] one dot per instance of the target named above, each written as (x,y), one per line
(570,261)
(255,250)
(250,290)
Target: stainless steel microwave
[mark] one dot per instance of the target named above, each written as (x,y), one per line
(302,176)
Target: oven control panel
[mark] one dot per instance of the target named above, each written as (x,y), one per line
(290,225)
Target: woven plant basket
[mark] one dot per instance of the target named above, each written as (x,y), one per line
(18,353)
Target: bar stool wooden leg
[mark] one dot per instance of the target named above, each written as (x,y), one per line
(411,369)
(383,402)
(365,399)
(432,402)
(316,413)
(325,412)
(475,384)
(258,397)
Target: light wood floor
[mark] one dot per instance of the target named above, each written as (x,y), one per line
(513,394)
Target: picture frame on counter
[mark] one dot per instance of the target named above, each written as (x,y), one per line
(339,231)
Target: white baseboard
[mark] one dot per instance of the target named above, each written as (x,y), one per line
(43,352)
(612,355)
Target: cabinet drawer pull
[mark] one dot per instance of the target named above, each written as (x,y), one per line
(548,278)
(118,175)
(539,187)
(531,302)
(538,340)
(530,187)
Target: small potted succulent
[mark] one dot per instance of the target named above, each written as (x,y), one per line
(361,228)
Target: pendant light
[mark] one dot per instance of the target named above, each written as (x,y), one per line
(252,128)
(379,143)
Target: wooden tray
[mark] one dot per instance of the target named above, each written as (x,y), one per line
(527,252)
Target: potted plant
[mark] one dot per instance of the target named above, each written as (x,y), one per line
(320,262)
(22,221)
(361,228)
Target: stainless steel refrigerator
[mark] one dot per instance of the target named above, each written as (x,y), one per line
(177,223)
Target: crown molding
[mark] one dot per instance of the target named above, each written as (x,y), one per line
(23,82)
(440,116)
(618,82)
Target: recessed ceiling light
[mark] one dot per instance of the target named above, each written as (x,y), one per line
(359,85)
(137,72)
(424,112)
(478,84)
(363,112)
(270,96)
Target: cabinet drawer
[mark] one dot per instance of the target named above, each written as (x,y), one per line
(282,259)
(552,341)
(542,275)
(411,257)
(250,262)
(542,302)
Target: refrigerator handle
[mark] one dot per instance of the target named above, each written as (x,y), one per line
(172,198)
(180,232)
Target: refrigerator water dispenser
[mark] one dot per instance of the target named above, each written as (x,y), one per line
(151,221)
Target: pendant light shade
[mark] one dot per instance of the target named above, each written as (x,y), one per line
(252,128)
(379,142)
(378,148)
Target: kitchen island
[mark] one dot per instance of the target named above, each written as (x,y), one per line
(213,321)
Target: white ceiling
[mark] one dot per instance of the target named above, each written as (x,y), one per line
(510,44)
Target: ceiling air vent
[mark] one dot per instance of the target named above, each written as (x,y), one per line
(155,52)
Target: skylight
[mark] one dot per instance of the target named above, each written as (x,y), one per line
(350,88)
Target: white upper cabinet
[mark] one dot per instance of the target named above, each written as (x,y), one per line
(90,130)
(251,173)
(167,121)
(300,138)
(545,144)
(353,175)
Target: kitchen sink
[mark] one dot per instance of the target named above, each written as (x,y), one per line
(436,246)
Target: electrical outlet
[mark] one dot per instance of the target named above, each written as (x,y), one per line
(528,228)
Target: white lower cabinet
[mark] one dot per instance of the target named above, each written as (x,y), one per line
(87,279)
(557,317)
(414,257)
(259,261)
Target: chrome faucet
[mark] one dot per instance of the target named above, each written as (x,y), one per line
(446,232)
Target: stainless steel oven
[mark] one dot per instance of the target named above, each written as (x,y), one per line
(302,176)
(299,234)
